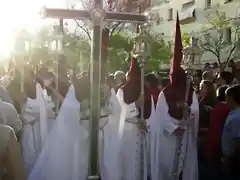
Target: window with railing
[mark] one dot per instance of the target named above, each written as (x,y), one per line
(227,35)
(208,3)
(170,14)
(188,4)
(227,1)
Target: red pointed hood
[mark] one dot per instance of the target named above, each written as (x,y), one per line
(132,88)
(105,38)
(177,51)
(134,70)
(176,91)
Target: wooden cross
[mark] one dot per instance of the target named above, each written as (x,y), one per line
(98,16)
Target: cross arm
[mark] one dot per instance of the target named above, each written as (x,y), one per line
(125,17)
(65,13)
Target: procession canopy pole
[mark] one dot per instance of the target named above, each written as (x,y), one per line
(57,75)
(143,135)
(61,26)
(95,90)
(56,47)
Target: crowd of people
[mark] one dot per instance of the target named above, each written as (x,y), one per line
(188,128)
(218,103)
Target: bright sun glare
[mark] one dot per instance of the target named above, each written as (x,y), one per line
(17,14)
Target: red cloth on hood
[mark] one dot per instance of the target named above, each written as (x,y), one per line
(132,88)
(154,92)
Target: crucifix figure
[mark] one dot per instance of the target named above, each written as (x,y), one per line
(97,15)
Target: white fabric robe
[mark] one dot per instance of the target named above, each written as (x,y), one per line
(34,129)
(51,115)
(149,134)
(65,155)
(131,141)
(163,143)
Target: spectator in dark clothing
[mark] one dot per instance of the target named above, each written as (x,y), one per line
(221,93)
(206,102)
(197,78)
(207,67)
(237,73)
(218,116)
(230,143)
(224,78)
(208,75)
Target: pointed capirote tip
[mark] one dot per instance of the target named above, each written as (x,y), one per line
(177,16)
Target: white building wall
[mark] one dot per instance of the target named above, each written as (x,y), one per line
(166,27)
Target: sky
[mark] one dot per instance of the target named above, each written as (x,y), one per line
(16,14)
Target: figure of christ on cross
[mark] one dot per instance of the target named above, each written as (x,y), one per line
(97,15)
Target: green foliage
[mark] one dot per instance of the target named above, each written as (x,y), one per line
(220,38)
(185,39)
(217,19)
(119,41)
(121,46)
(77,51)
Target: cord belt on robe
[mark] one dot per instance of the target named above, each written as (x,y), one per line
(87,118)
(132,120)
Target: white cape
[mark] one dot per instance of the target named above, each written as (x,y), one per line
(163,143)
(65,156)
(133,142)
(34,132)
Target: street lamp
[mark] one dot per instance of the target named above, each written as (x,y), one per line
(142,46)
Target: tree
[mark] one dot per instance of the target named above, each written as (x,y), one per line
(185,39)
(75,47)
(120,47)
(160,52)
(77,50)
(220,38)
(114,6)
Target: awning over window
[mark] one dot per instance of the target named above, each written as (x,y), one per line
(187,16)
(188,1)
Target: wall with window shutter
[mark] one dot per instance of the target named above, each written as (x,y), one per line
(192,15)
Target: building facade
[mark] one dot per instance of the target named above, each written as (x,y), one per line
(192,15)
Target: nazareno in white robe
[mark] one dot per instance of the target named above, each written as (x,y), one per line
(65,155)
(34,131)
(131,159)
(163,143)
(148,135)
